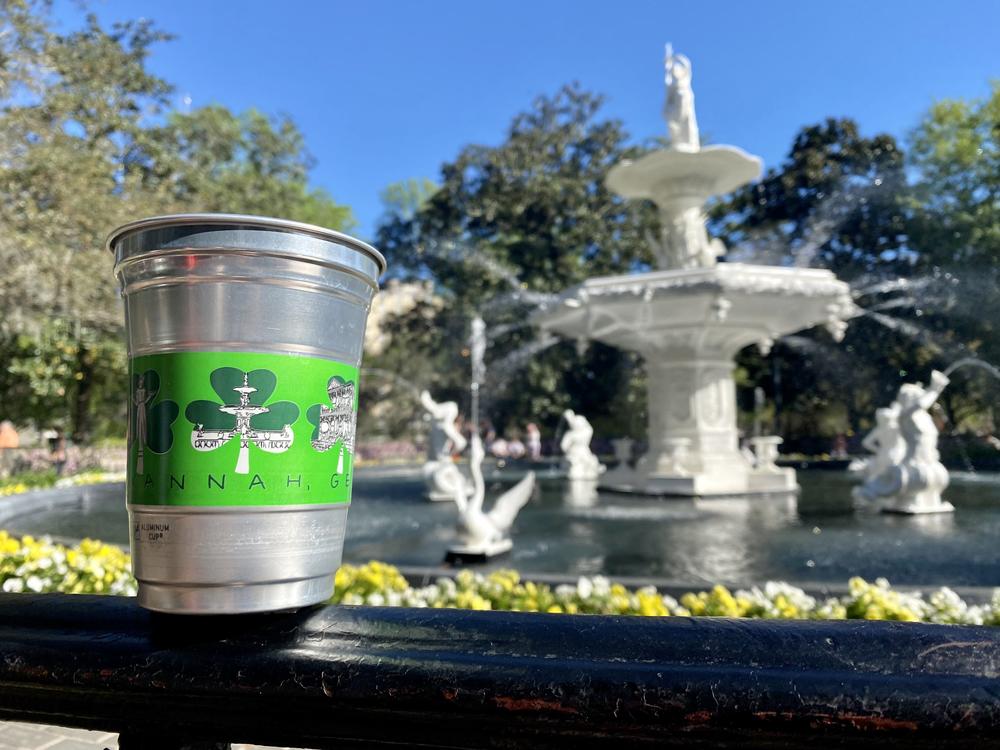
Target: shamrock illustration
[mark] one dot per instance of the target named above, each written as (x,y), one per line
(246,417)
(334,425)
(151,423)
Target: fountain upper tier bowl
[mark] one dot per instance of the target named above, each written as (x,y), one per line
(672,173)
(721,309)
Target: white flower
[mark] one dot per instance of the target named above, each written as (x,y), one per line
(13,585)
(565,591)
(35,583)
(585,587)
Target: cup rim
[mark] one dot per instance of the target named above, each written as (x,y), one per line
(244,220)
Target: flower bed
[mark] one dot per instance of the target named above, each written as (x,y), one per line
(92,567)
(36,480)
(42,566)
(383,585)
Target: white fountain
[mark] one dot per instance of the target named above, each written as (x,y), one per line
(689,318)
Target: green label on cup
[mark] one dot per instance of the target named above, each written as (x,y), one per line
(225,428)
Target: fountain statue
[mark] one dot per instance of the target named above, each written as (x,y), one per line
(885,445)
(689,318)
(678,109)
(442,476)
(575,445)
(906,474)
(485,535)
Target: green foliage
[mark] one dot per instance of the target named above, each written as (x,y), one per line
(379,584)
(402,200)
(50,369)
(527,217)
(841,200)
(215,160)
(955,232)
(956,199)
(87,143)
(41,566)
(835,202)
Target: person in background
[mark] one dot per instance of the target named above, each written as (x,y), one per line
(499,448)
(839,446)
(533,441)
(515,447)
(58,453)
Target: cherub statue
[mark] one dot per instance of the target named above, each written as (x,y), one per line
(678,110)
(575,445)
(913,477)
(440,472)
(884,441)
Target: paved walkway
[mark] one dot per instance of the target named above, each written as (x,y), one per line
(18,736)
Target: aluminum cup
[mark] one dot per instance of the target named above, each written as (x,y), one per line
(244,340)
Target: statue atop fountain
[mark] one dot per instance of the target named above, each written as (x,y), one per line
(575,445)
(678,109)
(906,474)
(442,476)
(690,317)
(485,535)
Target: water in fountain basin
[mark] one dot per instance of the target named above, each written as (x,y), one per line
(816,539)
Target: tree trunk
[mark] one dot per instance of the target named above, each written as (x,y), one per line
(82,420)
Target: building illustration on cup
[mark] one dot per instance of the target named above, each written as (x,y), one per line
(251,419)
(335,425)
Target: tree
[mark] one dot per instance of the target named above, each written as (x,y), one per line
(954,230)
(84,146)
(509,226)
(835,202)
(214,160)
(838,201)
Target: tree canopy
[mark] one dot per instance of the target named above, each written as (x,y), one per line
(511,223)
(87,142)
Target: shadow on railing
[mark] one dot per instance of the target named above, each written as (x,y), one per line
(346,677)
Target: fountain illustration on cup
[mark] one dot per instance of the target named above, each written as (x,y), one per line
(268,427)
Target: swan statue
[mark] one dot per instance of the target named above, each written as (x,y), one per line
(484,535)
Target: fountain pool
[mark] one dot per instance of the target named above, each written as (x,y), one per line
(569,529)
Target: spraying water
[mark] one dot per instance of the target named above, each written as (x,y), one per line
(973,362)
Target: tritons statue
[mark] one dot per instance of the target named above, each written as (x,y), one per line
(906,474)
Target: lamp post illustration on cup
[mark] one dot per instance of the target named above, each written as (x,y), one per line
(151,423)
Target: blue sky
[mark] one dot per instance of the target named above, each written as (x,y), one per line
(389,90)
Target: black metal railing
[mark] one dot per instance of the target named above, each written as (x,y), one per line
(345,677)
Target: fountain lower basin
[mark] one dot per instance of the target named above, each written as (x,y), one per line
(688,325)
